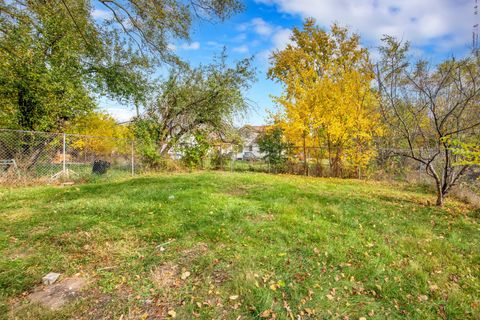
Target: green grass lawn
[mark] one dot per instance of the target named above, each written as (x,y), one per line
(241,246)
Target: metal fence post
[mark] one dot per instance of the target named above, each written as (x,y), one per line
(221,157)
(64,169)
(133,159)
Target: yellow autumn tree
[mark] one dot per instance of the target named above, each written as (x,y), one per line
(100,134)
(328,101)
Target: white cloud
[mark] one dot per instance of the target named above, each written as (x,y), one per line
(258,25)
(240,37)
(261,27)
(101,14)
(281,38)
(191,46)
(439,23)
(277,36)
(121,114)
(241,49)
(214,44)
(184,46)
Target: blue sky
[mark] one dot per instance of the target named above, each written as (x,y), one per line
(435,28)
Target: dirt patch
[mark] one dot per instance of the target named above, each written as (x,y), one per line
(39,230)
(20,253)
(237,192)
(261,218)
(57,295)
(198,250)
(166,275)
(220,276)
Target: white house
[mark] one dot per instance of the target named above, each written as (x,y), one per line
(249,135)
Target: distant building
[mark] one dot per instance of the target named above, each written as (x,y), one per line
(250,135)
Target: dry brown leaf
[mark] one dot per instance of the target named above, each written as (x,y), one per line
(266,313)
(310,311)
(185,275)
(422,297)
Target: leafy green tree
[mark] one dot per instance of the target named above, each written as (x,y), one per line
(203,99)
(56,57)
(194,153)
(272,144)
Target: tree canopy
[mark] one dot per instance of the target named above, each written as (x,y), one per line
(328,101)
(56,56)
(196,100)
(272,143)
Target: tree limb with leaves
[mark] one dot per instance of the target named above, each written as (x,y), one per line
(57,57)
(192,100)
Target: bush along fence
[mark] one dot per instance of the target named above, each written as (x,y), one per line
(27,156)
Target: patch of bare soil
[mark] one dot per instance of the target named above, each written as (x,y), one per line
(220,276)
(194,252)
(57,295)
(21,253)
(261,218)
(237,192)
(166,275)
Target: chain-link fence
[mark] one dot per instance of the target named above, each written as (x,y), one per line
(383,164)
(26,156)
(310,161)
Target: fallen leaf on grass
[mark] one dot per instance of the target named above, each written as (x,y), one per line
(235,297)
(267,313)
(185,275)
(422,297)
(172,313)
(310,311)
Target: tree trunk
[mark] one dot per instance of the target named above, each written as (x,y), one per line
(439,198)
(330,157)
(305,165)
(39,151)
(440,193)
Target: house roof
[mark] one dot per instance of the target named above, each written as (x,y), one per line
(257,129)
